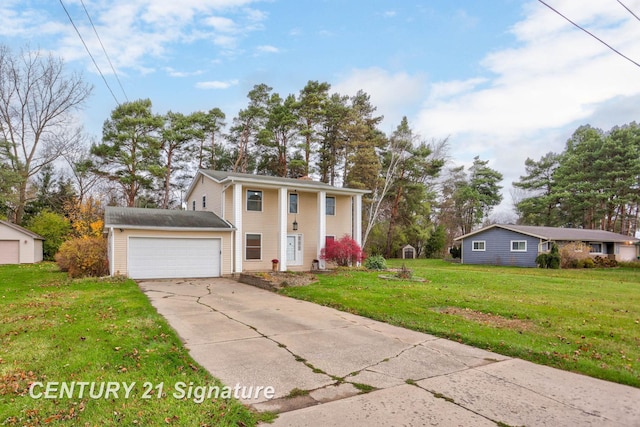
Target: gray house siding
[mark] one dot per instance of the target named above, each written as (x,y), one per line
(497,248)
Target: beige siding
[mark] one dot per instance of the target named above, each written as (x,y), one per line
(228,205)
(340,224)
(264,223)
(308,226)
(120,241)
(213,193)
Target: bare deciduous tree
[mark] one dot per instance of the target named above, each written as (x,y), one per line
(37,99)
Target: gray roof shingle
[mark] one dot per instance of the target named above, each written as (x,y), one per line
(162,218)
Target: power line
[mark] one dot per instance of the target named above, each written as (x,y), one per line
(629,10)
(104,50)
(592,35)
(89,52)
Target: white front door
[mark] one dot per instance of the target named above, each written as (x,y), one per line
(294,249)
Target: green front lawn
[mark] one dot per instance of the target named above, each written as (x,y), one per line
(585,321)
(55,331)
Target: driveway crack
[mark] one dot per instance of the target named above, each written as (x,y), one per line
(296,357)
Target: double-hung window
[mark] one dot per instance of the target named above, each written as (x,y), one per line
(330,206)
(293,203)
(253,246)
(254,200)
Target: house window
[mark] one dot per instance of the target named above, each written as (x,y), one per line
(204,202)
(330,205)
(518,246)
(193,205)
(254,200)
(478,245)
(595,248)
(253,246)
(293,203)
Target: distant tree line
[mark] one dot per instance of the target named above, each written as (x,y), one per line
(594,183)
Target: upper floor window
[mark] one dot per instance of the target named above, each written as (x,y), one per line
(330,205)
(193,205)
(518,246)
(254,200)
(293,203)
(478,245)
(204,202)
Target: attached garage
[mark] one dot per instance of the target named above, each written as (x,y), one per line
(19,245)
(166,244)
(158,257)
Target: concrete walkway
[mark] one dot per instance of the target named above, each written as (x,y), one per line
(326,358)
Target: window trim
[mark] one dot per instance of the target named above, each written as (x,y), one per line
(334,205)
(473,245)
(519,250)
(246,246)
(255,201)
(297,203)
(591,251)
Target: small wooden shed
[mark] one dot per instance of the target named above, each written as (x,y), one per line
(408,252)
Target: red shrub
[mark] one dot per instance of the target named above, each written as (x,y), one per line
(344,251)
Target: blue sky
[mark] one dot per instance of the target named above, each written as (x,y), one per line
(503,79)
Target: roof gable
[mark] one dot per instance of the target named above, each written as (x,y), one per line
(22,230)
(118,217)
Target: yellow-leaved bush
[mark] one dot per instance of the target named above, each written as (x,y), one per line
(84,256)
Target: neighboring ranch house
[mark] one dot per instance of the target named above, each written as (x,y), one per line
(19,245)
(519,245)
(234,223)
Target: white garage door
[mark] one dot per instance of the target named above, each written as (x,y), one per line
(9,251)
(159,258)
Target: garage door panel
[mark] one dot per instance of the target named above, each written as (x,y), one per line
(154,258)
(9,251)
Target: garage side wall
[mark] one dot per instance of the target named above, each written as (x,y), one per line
(121,246)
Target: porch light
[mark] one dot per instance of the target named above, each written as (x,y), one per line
(295,225)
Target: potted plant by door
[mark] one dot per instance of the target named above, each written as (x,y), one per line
(274,264)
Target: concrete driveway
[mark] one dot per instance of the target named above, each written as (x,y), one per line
(320,361)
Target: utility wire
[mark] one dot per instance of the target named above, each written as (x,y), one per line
(592,35)
(89,52)
(629,10)
(104,50)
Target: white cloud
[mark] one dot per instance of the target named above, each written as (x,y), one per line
(175,73)
(267,49)
(393,94)
(530,98)
(216,84)
(134,31)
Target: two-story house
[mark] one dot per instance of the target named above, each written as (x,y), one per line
(233,223)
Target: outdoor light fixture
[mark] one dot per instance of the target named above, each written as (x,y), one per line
(295,225)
